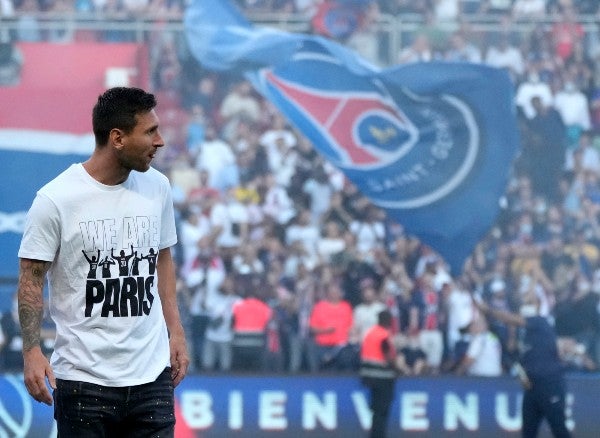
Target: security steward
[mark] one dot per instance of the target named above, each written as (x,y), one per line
(378,371)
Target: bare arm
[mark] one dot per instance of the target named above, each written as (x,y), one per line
(32,274)
(464,365)
(506,317)
(168,297)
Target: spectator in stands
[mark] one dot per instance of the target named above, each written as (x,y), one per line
(458,306)
(418,51)
(203,279)
(484,352)
(302,231)
(411,358)
(577,315)
(238,104)
(231,216)
(544,149)
(287,317)
(505,55)
(318,191)
(574,355)
(277,204)
(166,62)
(396,290)
(28,27)
(566,32)
(217,350)
(528,9)
(213,155)
(195,129)
(277,138)
(251,316)
(330,242)
(203,92)
(364,315)
(369,231)
(424,321)
(499,298)
(330,325)
(461,50)
(533,86)
(194,226)
(336,212)
(364,39)
(247,262)
(573,107)
(585,157)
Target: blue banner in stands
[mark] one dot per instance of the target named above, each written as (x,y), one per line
(431,143)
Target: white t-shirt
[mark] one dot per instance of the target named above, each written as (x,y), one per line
(366,316)
(221,306)
(103,242)
(486,352)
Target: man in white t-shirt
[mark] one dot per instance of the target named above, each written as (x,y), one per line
(120,346)
(484,353)
(365,314)
(217,349)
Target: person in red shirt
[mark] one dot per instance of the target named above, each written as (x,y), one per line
(250,319)
(566,33)
(330,323)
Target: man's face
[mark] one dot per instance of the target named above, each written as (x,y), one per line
(142,143)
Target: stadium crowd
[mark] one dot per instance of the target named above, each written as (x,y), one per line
(283,264)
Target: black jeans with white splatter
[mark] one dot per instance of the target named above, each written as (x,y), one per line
(87,410)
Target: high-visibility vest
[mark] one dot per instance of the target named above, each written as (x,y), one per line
(373,361)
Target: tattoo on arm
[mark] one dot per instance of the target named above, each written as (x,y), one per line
(32,274)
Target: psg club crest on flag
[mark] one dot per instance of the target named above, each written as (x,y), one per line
(412,150)
(431,143)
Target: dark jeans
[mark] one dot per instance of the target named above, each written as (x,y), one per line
(87,410)
(546,399)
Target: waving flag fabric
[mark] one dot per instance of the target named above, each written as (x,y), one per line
(431,143)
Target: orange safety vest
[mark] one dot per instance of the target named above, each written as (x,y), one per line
(373,361)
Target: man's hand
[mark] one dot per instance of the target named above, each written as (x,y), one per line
(36,370)
(180,359)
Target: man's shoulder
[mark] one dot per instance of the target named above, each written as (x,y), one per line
(69,177)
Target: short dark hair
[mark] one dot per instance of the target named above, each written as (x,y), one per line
(117,108)
(384,318)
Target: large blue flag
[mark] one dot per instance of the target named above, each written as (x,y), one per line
(431,143)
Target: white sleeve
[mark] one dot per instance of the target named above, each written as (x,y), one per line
(168,233)
(41,237)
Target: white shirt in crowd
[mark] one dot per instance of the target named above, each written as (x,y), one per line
(573,107)
(527,90)
(365,316)
(486,352)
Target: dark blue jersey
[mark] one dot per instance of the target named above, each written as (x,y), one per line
(539,352)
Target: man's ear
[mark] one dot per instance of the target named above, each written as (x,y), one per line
(116,138)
